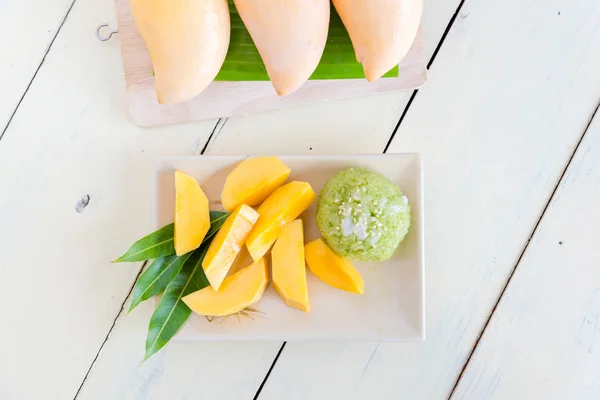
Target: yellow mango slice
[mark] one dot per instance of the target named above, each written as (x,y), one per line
(333,269)
(187,41)
(284,205)
(227,243)
(252,181)
(288,268)
(192,217)
(237,292)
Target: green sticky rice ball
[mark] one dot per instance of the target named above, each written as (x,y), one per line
(362,215)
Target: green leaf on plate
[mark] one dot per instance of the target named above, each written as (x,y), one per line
(217,219)
(164,269)
(156,278)
(172,313)
(157,244)
(243,62)
(161,243)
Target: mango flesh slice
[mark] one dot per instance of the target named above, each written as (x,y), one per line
(333,269)
(283,206)
(252,181)
(288,267)
(382,32)
(192,217)
(187,41)
(237,292)
(290,36)
(227,244)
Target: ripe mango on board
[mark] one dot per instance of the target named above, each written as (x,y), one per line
(192,216)
(187,41)
(332,268)
(252,181)
(283,206)
(227,243)
(290,36)
(237,292)
(288,267)
(381,32)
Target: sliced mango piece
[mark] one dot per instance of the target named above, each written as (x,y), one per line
(252,181)
(237,292)
(288,268)
(284,205)
(192,217)
(227,244)
(333,269)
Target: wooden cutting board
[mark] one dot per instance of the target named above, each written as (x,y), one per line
(227,99)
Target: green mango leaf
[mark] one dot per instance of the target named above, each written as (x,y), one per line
(164,269)
(156,278)
(157,244)
(161,243)
(217,219)
(172,312)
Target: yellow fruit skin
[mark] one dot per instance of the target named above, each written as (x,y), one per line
(192,216)
(283,206)
(288,267)
(187,41)
(237,292)
(333,269)
(252,181)
(381,32)
(227,243)
(290,36)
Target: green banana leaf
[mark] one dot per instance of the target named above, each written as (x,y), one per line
(243,63)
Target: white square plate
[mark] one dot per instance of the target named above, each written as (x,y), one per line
(392,307)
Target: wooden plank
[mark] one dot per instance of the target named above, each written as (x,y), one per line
(226,99)
(235,371)
(76,188)
(26,30)
(212,370)
(496,127)
(543,341)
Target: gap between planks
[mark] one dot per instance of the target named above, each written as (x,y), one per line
(429,64)
(60,25)
(389,142)
(525,247)
(219,125)
(214,134)
(110,329)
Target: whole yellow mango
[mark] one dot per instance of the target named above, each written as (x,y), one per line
(187,41)
(290,36)
(252,181)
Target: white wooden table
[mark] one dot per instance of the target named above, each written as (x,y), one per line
(510,136)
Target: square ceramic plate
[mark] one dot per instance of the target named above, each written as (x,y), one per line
(392,307)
